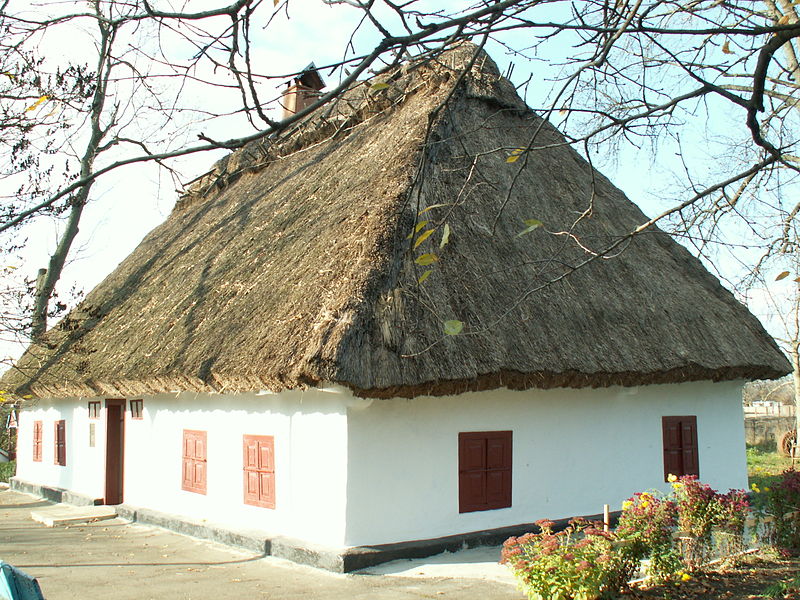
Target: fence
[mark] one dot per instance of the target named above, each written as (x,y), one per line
(773,409)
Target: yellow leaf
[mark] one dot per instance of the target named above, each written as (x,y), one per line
(783,275)
(424,210)
(419,226)
(379,86)
(423,236)
(563,111)
(445,236)
(426,259)
(276,2)
(425,275)
(726,48)
(515,154)
(38,103)
(783,20)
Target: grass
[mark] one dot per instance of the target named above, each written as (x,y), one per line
(7,470)
(764,467)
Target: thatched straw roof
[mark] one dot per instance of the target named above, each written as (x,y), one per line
(290,265)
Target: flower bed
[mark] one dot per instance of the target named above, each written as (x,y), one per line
(670,536)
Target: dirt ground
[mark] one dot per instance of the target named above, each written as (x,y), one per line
(757,576)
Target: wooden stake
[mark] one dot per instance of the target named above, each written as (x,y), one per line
(606,518)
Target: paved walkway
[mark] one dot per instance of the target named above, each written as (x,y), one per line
(118,560)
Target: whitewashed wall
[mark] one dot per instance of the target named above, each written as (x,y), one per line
(310,432)
(84,471)
(356,472)
(573,451)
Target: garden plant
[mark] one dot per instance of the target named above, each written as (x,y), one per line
(671,536)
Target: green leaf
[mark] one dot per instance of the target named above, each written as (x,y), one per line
(531,225)
(426,259)
(445,236)
(515,154)
(453,327)
(425,275)
(783,275)
(379,86)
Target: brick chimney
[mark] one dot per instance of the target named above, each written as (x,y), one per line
(302,91)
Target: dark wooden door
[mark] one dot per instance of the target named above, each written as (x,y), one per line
(115,450)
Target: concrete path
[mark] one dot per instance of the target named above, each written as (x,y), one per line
(119,560)
(66,514)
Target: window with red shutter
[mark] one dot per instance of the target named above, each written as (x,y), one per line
(484,470)
(194,461)
(61,443)
(259,470)
(37,441)
(680,446)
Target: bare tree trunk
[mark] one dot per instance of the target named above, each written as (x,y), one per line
(46,284)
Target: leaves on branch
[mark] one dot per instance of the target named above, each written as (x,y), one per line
(515,154)
(426,259)
(783,275)
(423,236)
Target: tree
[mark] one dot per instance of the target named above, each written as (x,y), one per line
(701,78)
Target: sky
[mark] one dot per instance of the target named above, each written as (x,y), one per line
(132,201)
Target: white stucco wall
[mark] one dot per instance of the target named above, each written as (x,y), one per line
(573,451)
(310,433)
(83,472)
(356,472)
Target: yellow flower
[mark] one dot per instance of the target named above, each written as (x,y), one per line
(627,504)
(685,577)
(645,504)
(754,487)
(672,478)
(766,489)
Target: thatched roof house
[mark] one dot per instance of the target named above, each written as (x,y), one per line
(346,254)
(291,264)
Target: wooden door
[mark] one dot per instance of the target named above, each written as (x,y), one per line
(115,450)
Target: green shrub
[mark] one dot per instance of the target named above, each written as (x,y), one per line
(782,502)
(7,470)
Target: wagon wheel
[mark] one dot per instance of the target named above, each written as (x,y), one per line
(786,442)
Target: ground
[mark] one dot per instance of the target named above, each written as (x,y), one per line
(123,561)
(759,576)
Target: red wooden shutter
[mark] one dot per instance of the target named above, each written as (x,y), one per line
(680,446)
(37,441)
(691,463)
(194,475)
(259,470)
(61,443)
(484,470)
